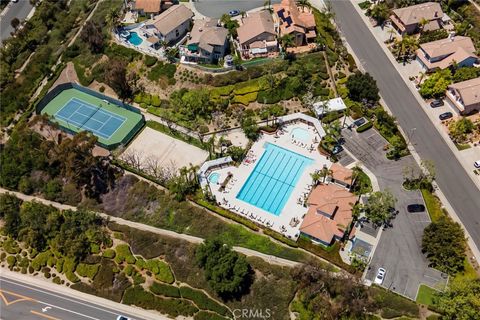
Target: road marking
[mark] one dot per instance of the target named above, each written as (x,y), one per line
(43,315)
(21,298)
(64,298)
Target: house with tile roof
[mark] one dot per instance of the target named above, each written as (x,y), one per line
(443,53)
(465,96)
(207,42)
(150,7)
(172,24)
(407,20)
(257,35)
(341,175)
(295,21)
(329,213)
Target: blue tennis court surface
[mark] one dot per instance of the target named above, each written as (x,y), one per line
(85,116)
(273,179)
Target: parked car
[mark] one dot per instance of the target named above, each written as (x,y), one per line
(436,103)
(416,208)
(476,164)
(233,13)
(337,149)
(380,276)
(359,122)
(123,318)
(445,116)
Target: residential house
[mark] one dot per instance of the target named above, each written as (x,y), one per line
(465,96)
(341,176)
(295,21)
(257,35)
(407,20)
(443,53)
(151,7)
(206,43)
(171,25)
(329,213)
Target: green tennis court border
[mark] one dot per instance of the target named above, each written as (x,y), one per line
(61,94)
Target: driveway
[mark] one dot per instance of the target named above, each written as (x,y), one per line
(216,8)
(399,248)
(453,180)
(18,10)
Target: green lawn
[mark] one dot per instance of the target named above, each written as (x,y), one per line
(461,146)
(425,295)
(434,206)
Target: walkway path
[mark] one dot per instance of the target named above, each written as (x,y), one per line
(139,226)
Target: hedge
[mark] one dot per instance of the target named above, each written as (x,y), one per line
(221,91)
(109,253)
(165,290)
(277,236)
(365,127)
(160,269)
(174,307)
(87,270)
(41,260)
(115,51)
(246,98)
(11,260)
(123,253)
(150,61)
(203,301)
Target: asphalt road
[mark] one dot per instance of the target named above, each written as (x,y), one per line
(216,8)
(457,186)
(23,301)
(19,10)
(399,248)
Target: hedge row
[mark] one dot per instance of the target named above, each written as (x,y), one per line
(165,290)
(123,253)
(87,270)
(365,127)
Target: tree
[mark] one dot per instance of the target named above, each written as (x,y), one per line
(230,24)
(379,207)
(444,244)
(325,172)
(465,73)
(362,86)
(436,85)
(421,24)
(250,128)
(392,32)
(112,18)
(287,41)
(227,272)
(15,23)
(9,213)
(380,12)
(116,77)
(92,35)
(460,300)
(460,128)
(397,146)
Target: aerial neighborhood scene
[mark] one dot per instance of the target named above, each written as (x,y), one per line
(240,159)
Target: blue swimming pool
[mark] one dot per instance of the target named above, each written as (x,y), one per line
(300,134)
(213,177)
(134,39)
(273,179)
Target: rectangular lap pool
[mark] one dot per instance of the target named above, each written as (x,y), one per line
(273,179)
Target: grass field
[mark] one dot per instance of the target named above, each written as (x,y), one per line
(133,121)
(425,295)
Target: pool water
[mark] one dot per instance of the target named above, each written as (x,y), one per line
(213,177)
(300,134)
(273,179)
(134,39)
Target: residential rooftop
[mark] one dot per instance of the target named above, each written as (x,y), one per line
(171,18)
(254,25)
(469,91)
(414,14)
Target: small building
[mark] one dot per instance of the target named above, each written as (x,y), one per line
(172,24)
(465,96)
(441,54)
(341,175)
(407,20)
(329,214)
(147,7)
(323,107)
(257,35)
(207,42)
(295,21)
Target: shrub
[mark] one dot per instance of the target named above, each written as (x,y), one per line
(165,290)
(11,261)
(138,279)
(87,270)
(71,277)
(11,246)
(161,270)
(246,98)
(365,127)
(41,260)
(156,102)
(115,51)
(140,263)
(129,270)
(203,301)
(123,253)
(109,253)
(57,280)
(150,61)
(59,265)
(144,299)
(161,69)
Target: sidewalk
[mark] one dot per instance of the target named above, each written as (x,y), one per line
(443,133)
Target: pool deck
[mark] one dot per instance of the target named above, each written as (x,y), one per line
(292,208)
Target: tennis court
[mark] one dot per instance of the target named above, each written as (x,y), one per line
(80,109)
(273,179)
(90,118)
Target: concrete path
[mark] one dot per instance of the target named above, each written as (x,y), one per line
(163,232)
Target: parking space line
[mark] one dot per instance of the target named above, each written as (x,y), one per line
(43,315)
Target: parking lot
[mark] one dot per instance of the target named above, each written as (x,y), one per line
(399,247)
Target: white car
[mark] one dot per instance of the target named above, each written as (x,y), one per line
(380,276)
(476,164)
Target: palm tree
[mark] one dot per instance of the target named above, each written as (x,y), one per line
(315,177)
(304,4)
(112,18)
(325,172)
(422,23)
